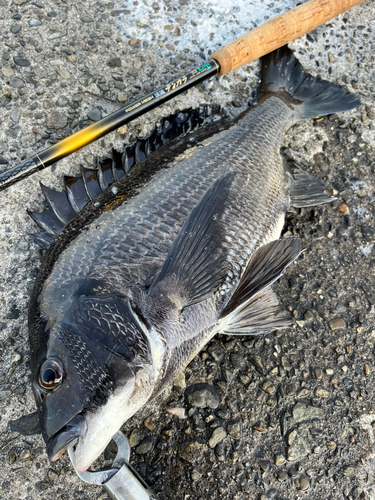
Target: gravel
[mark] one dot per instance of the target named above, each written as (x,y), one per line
(287,415)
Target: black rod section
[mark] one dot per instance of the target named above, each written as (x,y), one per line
(111,122)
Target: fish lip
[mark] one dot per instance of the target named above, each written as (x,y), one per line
(72,431)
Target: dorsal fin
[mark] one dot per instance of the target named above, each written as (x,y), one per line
(65,205)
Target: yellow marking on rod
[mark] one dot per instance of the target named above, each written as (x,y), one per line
(40,161)
(79,139)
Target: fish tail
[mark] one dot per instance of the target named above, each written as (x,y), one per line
(310,96)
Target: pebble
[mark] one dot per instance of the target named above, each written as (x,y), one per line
(343,208)
(234,430)
(25,454)
(218,435)
(178,412)
(279,459)
(297,447)
(21,61)
(308,316)
(56,120)
(114,62)
(33,23)
(62,101)
(4,393)
(331,445)
(95,114)
(149,424)
(337,323)
(134,438)
(321,393)
(367,370)
(145,446)
(302,483)
(122,97)
(15,115)
(179,382)
(202,396)
(188,451)
(362,192)
(7,71)
(16,82)
(57,34)
(303,413)
(268,387)
(16,29)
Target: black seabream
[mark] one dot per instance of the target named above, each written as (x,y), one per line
(146,263)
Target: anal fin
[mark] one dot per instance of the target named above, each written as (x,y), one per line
(261,314)
(307,190)
(254,308)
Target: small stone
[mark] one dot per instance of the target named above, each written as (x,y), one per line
(337,323)
(308,316)
(344,368)
(145,446)
(279,459)
(16,115)
(103,87)
(352,138)
(362,192)
(371,115)
(16,358)
(4,393)
(189,451)
(234,429)
(149,424)
(346,195)
(329,371)
(331,445)
(134,438)
(33,23)
(268,387)
(7,71)
(318,373)
(321,393)
(87,19)
(62,101)
(16,29)
(16,82)
(122,97)
(195,475)
(302,483)
(244,379)
(57,34)
(297,447)
(56,120)
(56,62)
(179,382)
(168,432)
(63,73)
(317,450)
(343,208)
(331,58)
(52,475)
(367,370)
(137,64)
(114,62)
(25,454)
(218,435)
(95,114)
(304,413)
(178,412)
(202,396)
(303,393)
(21,61)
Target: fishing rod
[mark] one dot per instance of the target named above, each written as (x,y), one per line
(262,40)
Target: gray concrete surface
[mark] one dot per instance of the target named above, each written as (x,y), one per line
(296,412)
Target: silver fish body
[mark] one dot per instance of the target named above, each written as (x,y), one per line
(134,287)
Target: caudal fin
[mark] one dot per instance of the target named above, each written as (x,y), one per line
(310,96)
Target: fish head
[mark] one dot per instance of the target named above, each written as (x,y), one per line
(95,372)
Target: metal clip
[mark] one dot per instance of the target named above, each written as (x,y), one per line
(121,481)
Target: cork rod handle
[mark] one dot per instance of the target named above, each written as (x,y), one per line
(278,31)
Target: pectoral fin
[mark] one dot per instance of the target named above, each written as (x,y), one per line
(254,308)
(196,263)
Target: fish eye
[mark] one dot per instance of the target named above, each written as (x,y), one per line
(50,374)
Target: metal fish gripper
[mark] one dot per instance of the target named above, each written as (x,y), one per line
(121,481)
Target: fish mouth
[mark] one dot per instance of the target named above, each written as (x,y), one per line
(72,431)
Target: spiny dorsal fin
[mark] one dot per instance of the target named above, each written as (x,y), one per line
(265,267)
(196,263)
(91,183)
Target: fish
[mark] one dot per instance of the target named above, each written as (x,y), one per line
(146,261)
